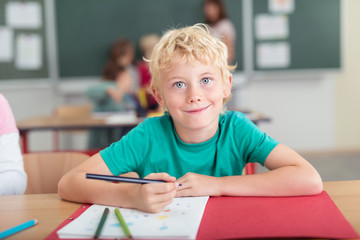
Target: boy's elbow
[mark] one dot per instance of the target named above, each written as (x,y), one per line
(315,185)
(62,188)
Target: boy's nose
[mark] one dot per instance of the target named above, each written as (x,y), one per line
(194,95)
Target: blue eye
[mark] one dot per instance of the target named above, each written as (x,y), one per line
(205,80)
(179,84)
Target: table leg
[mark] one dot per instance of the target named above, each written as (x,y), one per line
(23,136)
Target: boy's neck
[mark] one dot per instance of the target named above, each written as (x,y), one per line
(196,136)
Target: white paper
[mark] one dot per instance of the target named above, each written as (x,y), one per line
(281,6)
(271,26)
(6,44)
(23,14)
(273,55)
(181,219)
(117,118)
(28,52)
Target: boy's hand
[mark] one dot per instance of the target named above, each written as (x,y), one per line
(154,197)
(193,184)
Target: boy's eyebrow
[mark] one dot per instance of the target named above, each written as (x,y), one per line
(180,77)
(175,78)
(207,73)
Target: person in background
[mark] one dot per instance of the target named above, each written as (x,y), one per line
(147,44)
(12,175)
(117,92)
(220,25)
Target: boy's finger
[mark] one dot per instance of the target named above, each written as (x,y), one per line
(184,193)
(156,208)
(164,187)
(161,176)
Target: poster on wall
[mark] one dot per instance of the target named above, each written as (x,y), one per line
(273,55)
(269,26)
(23,15)
(28,52)
(281,6)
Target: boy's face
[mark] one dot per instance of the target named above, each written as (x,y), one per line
(193,93)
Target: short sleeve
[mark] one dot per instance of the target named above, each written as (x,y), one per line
(126,155)
(254,144)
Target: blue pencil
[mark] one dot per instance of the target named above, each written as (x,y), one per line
(18,228)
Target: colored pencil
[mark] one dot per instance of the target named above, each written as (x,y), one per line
(101,223)
(123,223)
(122,179)
(18,228)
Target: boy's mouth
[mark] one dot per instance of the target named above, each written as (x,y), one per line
(197,110)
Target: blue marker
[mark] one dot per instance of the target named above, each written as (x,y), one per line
(18,228)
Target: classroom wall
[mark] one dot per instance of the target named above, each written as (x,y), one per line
(347,127)
(30,98)
(300,107)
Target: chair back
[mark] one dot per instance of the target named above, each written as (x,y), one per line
(73,110)
(45,170)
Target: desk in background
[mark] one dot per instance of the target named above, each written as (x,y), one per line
(41,123)
(51,211)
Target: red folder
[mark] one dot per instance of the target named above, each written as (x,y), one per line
(266,217)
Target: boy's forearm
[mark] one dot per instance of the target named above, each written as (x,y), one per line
(284,181)
(75,187)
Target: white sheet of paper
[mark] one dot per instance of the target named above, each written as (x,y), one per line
(273,55)
(117,118)
(6,44)
(180,219)
(23,14)
(281,6)
(271,26)
(28,52)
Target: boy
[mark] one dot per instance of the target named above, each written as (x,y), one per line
(195,143)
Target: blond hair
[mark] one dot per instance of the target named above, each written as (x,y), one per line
(190,44)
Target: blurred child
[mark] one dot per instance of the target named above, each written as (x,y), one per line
(12,175)
(147,44)
(220,25)
(196,144)
(116,93)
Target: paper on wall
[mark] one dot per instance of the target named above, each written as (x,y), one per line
(271,26)
(6,44)
(273,55)
(23,14)
(281,6)
(28,52)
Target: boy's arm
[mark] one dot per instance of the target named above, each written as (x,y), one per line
(289,175)
(153,197)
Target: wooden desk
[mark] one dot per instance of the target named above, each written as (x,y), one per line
(51,211)
(65,123)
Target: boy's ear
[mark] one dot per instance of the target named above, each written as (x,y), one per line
(227,86)
(158,97)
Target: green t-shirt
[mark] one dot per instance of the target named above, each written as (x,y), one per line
(154,146)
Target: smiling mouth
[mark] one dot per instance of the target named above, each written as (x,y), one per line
(197,110)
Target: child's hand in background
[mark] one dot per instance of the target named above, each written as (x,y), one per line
(154,197)
(115,93)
